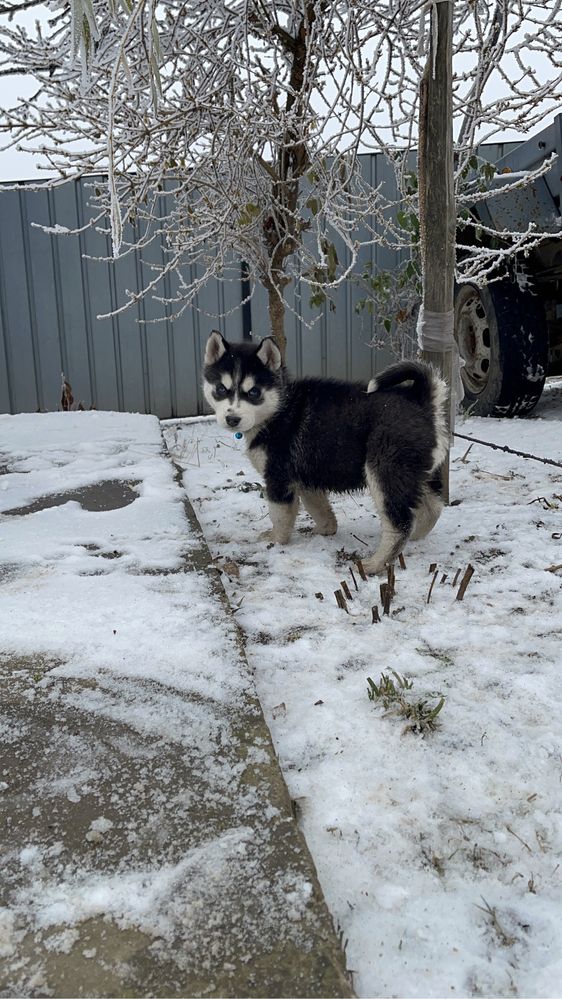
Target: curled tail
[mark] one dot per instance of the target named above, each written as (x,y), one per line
(425,386)
(420,377)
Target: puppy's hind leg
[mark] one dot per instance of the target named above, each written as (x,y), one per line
(426,515)
(396,523)
(430,507)
(318,506)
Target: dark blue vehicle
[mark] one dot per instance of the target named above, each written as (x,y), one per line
(510,332)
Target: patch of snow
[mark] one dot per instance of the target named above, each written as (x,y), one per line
(62,943)
(136,898)
(8,937)
(98,828)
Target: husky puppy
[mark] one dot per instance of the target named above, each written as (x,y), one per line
(312,436)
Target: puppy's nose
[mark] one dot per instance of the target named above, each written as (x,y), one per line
(233,421)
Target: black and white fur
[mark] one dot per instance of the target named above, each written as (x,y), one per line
(312,436)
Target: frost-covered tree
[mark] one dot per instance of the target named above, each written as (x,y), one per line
(250,115)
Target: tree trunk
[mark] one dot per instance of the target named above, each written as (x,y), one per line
(276,308)
(437,206)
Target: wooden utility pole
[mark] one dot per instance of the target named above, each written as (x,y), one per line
(437,204)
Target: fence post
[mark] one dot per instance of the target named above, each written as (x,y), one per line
(437,207)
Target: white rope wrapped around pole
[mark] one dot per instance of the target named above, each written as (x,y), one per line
(436,333)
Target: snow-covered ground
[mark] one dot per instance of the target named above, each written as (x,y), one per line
(439,854)
(147,844)
(85,585)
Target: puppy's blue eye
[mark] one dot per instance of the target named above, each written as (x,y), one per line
(254,393)
(221,390)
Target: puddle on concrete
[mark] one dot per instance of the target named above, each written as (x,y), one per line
(113,494)
(97,552)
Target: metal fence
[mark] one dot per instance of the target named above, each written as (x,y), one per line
(51,293)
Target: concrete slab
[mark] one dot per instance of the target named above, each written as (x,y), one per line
(148,845)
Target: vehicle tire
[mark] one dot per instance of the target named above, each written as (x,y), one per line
(502,337)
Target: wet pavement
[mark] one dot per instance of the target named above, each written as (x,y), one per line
(148,844)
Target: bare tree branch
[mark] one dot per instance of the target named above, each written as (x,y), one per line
(17,7)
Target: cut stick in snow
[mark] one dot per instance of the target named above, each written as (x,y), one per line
(433,567)
(375,618)
(401,561)
(346,590)
(443,578)
(390,578)
(386,597)
(435,575)
(361,570)
(469,572)
(340,600)
(387,601)
(553,568)
(319,596)
(457,574)
(354,579)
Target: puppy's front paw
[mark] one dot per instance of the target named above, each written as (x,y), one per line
(274,537)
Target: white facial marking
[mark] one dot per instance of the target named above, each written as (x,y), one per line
(250,416)
(248,383)
(227,381)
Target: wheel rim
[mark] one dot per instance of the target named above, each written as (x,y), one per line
(473,338)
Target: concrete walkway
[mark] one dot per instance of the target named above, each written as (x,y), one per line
(148,846)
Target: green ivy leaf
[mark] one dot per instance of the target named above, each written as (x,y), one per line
(248,214)
(317,299)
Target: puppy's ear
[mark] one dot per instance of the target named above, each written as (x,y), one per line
(269,354)
(215,348)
